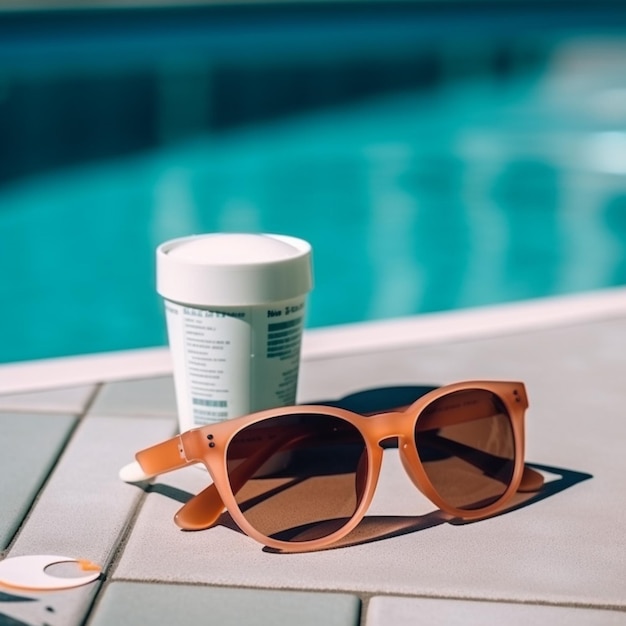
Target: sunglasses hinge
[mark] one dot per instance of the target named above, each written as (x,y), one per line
(192,446)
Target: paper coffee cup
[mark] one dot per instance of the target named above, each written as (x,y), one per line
(235,307)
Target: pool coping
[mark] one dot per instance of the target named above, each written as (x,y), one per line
(334,341)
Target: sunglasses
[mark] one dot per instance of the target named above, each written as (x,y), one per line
(301,478)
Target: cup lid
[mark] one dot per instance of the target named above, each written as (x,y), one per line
(233,269)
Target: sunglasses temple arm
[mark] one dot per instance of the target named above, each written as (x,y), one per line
(531,480)
(201,511)
(204,509)
(164,457)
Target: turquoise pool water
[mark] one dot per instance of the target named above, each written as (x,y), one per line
(468,194)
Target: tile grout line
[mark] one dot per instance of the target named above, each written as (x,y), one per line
(42,410)
(366,596)
(91,400)
(117,551)
(115,556)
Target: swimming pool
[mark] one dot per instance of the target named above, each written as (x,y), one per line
(468,191)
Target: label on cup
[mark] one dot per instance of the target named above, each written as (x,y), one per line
(231,361)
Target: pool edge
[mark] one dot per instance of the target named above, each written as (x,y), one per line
(332,341)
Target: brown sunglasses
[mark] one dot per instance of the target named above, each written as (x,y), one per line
(301,478)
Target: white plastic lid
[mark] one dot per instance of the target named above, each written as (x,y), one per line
(232,269)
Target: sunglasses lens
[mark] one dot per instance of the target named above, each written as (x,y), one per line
(466,445)
(298,477)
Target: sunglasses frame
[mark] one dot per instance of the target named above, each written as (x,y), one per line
(209,445)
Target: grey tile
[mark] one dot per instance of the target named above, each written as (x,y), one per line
(29,446)
(85,507)
(158,604)
(153,397)
(72,400)
(383,610)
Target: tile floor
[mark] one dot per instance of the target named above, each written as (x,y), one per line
(558,557)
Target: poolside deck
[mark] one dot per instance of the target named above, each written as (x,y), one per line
(66,427)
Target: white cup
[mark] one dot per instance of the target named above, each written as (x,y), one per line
(235,307)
